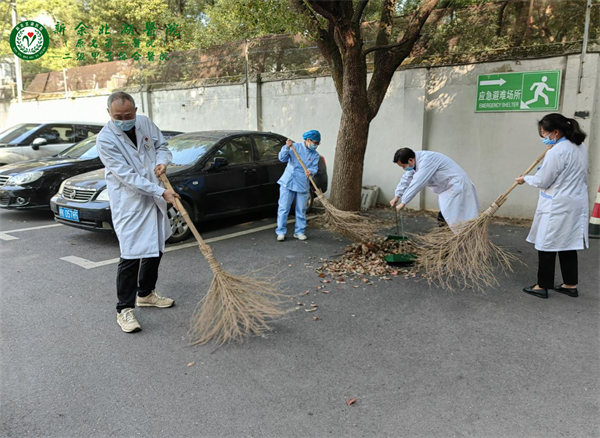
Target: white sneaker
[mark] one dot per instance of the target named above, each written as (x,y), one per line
(300,236)
(128,322)
(154,300)
(280,237)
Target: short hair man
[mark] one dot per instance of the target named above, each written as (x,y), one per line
(135,154)
(457,195)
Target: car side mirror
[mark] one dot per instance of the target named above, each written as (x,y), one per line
(219,162)
(38,142)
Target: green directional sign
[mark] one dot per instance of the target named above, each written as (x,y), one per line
(527,91)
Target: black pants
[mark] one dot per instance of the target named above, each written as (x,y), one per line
(441,221)
(568,267)
(136,277)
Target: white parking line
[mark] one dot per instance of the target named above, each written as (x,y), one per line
(6,235)
(88,264)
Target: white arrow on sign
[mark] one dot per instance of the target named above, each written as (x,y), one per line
(494,82)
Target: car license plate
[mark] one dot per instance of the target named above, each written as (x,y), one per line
(68,214)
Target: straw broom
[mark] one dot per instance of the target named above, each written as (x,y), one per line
(345,223)
(466,258)
(235,306)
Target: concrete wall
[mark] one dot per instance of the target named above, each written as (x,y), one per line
(425,109)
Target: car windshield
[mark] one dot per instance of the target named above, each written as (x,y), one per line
(15,132)
(188,149)
(85,149)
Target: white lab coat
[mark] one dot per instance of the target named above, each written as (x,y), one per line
(457,195)
(139,212)
(561,219)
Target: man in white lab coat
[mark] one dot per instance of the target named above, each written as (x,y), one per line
(457,195)
(134,153)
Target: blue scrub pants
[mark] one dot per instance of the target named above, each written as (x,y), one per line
(286,197)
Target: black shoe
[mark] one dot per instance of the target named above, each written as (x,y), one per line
(572,292)
(540,293)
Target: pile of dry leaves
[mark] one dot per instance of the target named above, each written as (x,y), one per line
(366,260)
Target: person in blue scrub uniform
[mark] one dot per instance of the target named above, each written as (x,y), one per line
(294,183)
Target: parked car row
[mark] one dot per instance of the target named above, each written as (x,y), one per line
(30,184)
(217,174)
(28,141)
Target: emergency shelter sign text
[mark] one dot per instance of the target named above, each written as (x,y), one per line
(526,91)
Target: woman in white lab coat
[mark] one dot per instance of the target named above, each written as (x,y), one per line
(560,224)
(457,195)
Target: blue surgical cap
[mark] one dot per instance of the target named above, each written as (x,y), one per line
(312,135)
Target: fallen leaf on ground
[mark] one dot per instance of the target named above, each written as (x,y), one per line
(366,260)
(351,401)
(310,310)
(191,364)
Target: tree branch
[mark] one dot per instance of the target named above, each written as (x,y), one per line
(389,46)
(387,62)
(324,8)
(385,23)
(327,45)
(358,12)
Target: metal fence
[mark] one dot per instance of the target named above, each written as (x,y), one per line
(450,36)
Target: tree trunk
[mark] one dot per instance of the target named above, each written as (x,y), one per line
(347,178)
(500,19)
(520,25)
(342,46)
(354,126)
(527,38)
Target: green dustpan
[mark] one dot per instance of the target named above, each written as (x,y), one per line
(404,257)
(397,237)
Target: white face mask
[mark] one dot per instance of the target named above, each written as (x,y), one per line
(124,125)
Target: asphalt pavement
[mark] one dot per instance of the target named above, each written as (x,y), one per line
(420,361)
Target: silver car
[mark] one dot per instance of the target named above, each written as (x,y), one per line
(28,141)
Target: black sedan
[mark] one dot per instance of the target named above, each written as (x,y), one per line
(217,173)
(31,184)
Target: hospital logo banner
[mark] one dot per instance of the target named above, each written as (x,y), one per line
(29,40)
(526,91)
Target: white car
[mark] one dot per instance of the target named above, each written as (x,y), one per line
(28,141)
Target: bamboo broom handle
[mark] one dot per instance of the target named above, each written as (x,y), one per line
(502,198)
(183,212)
(306,170)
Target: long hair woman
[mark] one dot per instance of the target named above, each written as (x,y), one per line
(560,224)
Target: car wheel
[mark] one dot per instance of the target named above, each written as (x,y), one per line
(179,227)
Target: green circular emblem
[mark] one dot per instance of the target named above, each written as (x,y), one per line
(29,40)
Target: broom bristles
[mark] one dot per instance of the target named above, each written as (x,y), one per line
(467,259)
(346,223)
(234,307)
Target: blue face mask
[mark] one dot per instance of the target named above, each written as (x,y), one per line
(546,140)
(124,125)
(313,147)
(408,169)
